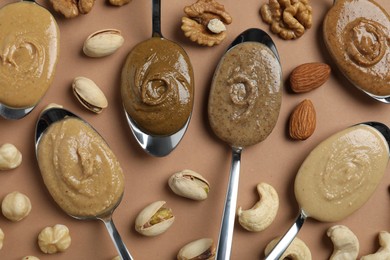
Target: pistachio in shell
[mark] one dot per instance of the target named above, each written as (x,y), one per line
(89,94)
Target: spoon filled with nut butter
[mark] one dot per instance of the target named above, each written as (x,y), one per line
(29,49)
(356,34)
(338,177)
(157,91)
(80,171)
(244,104)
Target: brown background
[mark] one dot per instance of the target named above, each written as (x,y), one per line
(274,161)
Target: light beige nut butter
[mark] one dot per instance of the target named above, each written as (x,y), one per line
(29,48)
(157,86)
(245,95)
(357,35)
(341,173)
(78,168)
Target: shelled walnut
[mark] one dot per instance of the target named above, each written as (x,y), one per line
(72,8)
(205,22)
(287,18)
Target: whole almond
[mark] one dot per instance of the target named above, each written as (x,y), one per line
(309,76)
(302,121)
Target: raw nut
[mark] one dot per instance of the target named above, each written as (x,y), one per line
(309,76)
(16,206)
(68,8)
(302,121)
(216,26)
(384,251)
(199,249)
(1,238)
(103,43)
(297,250)
(119,2)
(10,157)
(54,239)
(345,243)
(89,94)
(154,219)
(189,184)
(263,213)
(30,257)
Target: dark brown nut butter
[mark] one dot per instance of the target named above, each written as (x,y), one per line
(157,86)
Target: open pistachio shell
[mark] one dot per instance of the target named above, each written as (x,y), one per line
(154,219)
(103,43)
(196,250)
(89,94)
(189,184)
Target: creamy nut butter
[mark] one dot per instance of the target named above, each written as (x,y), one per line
(341,173)
(245,95)
(357,35)
(157,86)
(79,169)
(29,47)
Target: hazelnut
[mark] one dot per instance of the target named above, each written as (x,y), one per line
(54,239)
(16,206)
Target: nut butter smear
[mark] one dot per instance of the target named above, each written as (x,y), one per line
(157,86)
(78,168)
(357,35)
(29,47)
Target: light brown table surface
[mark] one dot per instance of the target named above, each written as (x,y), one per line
(275,160)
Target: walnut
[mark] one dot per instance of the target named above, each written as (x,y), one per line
(287,18)
(72,8)
(201,19)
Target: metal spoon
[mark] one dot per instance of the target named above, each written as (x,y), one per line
(13,113)
(227,225)
(156,145)
(289,236)
(51,116)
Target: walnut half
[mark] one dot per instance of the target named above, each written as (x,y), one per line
(205,22)
(287,18)
(72,8)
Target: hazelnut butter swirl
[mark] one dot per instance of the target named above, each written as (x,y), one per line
(357,35)
(78,168)
(157,86)
(29,48)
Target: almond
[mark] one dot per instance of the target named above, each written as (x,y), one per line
(309,76)
(302,121)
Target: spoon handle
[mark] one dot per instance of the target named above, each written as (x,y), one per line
(116,238)
(229,212)
(156,18)
(286,240)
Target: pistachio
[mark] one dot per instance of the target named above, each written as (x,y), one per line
(189,184)
(89,94)
(154,219)
(199,249)
(103,43)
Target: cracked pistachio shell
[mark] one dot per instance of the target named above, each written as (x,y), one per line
(154,219)
(89,94)
(103,43)
(189,184)
(196,250)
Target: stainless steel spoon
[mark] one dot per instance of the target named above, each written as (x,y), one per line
(289,236)
(51,116)
(156,145)
(226,233)
(13,113)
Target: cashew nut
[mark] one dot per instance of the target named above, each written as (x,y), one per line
(10,157)
(1,238)
(16,206)
(345,243)
(297,250)
(383,252)
(263,213)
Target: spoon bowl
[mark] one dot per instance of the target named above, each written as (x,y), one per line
(158,86)
(259,96)
(45,120)
(14,113)
(342,211)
